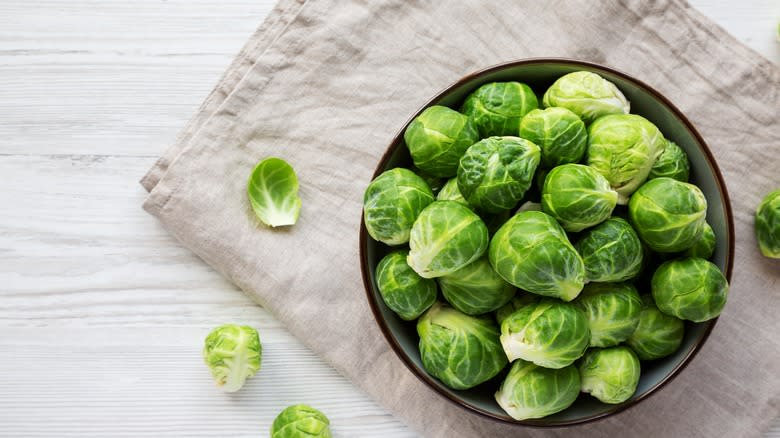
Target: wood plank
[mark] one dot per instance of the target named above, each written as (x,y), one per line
(112,77)
(151,381)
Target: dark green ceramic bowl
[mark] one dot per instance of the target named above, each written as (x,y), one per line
(540,74)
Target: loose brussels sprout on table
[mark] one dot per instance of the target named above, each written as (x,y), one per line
(612,310)
(558,132)
(392,203)
(549,333)
(460,350)
(610,374)
(768,225)
(577,196)
(446,237)
(611,251)
(672,163)
(586,94)
(624,148)
(583,170)
(657,335)
(532,252)
(404,292)
(690,288)
(437,138)
(495,173)
(497,107)
(530,391)
(476,288)
(668,215)
(301,421)
(233,353)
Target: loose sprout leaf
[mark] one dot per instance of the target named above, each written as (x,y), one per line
(273,192)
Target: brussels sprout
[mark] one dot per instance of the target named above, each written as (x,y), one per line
(495,173)
(446,237)
(690,288)
(476,288)
(437,138)
(586,94)
(577,196)
(392,203)
(404,292)
(530,391)
(273,193)
(657,335)
(612,310)
(610,374)
(301,421)
(558,132)
(623,148)
(460,350)
(450,192)
(519,300)
(705,244)
(549,333)
(672,163)
(611,251)
(233,353)
(498,107)
(532,252)
(668,215)
(768,225)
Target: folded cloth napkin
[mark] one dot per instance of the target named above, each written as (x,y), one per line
(326,84)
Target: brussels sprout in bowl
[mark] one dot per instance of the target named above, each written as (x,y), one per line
(539,75)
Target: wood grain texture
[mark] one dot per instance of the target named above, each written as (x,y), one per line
(102,313)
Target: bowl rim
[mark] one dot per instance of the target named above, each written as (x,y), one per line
(540,423)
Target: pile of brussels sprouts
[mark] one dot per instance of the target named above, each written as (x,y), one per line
(523,236)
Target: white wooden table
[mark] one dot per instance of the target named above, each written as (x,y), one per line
(102,314)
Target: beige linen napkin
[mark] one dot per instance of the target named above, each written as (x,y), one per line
(327,83)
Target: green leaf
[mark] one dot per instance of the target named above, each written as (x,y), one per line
(273,192)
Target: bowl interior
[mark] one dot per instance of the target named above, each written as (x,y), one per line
(540,74)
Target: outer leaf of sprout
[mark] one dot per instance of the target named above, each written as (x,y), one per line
(273,192)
